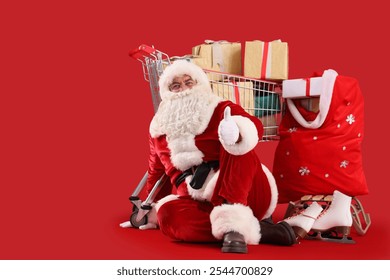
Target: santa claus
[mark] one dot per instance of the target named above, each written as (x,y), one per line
(218,190)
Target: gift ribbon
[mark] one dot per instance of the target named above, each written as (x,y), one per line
(264,62)
(217,53)
(307,87)
(263,70)
(218,57)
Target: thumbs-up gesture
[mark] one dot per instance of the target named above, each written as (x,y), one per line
(228,129)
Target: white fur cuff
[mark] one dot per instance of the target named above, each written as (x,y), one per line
(249,137)
(165,199)
(235,217)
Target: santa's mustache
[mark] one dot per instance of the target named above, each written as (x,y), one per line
(180,94)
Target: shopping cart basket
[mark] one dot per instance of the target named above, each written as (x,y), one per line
(259,98)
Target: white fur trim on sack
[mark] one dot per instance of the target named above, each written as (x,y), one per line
(274,192)
(235,217)
(249,137)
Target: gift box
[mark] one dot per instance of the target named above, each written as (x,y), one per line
(265,60)
(311,104)
(300,88)
(240,93)
(266,104)
(270,125)
(222,56)
(267,108)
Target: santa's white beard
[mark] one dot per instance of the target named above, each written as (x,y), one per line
(186,112)
(181,117)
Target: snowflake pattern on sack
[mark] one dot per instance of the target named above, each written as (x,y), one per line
(344,164)
(304,170)
(350,119)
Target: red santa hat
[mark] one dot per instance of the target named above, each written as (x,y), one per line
(179,68)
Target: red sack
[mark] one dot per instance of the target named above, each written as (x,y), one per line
(321,152)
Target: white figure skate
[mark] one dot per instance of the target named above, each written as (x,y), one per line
(334,223)
(303,222)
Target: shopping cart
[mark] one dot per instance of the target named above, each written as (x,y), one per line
(260,98)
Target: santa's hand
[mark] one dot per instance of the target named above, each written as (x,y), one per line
(152,222)
(152,219)
(148,226)
(228,129)
(126,224)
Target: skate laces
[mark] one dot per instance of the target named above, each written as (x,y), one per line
(304,214)
(323,211)
(300,213)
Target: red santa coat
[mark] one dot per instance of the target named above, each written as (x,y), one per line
(319,153)
(184,133)
(240,179)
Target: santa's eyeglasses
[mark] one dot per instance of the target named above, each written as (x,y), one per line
(177,86)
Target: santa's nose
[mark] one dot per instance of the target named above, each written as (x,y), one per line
(185,86)
(180,84)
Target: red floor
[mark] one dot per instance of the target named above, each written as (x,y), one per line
(136,244)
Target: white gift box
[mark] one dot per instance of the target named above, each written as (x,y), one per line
(301,88)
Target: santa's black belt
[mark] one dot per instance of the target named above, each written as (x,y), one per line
(199,173)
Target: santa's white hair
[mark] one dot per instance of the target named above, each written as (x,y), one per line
(180,68)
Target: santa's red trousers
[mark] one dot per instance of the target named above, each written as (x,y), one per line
(186,219)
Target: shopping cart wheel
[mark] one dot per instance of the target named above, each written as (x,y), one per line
(135,223)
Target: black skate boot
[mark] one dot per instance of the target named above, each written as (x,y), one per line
(277,234)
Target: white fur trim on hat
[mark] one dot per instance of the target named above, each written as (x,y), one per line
(180,68)
(249,137)
(235,217)
(329,78)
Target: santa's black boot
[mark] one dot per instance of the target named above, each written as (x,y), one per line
(236,226)
(234,242)
(276,234)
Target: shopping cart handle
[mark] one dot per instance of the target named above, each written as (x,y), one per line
(142,51)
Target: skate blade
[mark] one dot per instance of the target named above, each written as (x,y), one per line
(330,237)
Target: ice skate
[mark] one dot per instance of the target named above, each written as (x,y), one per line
(303,222)
(334,224)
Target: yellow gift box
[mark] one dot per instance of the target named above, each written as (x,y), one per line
(222,56)
(240,93)
(265,60)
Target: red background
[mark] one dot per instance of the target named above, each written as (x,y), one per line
(75,112)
